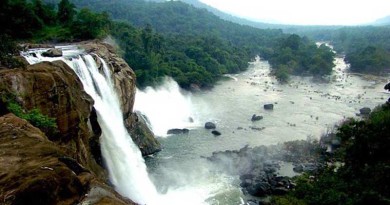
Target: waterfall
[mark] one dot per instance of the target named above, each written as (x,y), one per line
(166,107)
(123,159)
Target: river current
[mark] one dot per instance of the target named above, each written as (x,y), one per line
(303,108)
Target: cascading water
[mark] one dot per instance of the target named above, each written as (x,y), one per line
(127,169)
(166,107)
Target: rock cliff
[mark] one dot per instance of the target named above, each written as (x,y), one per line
(62,167)
(34,170)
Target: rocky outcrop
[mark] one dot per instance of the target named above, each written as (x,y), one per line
(365,111)
(62,167)
(55,90)
(53,52)
(259,168)
(124,80)
(35,170)
(177,131)
(141,134)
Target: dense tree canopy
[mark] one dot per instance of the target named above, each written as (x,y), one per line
(296,55)
(196,47)
(38,21)
(172,38)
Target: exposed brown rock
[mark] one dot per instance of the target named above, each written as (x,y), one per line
(142,135)
(32,171)
(40,167)
(53,52)
(56,91)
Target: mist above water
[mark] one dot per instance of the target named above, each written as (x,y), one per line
(166,107)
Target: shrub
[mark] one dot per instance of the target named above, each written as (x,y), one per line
(35,117)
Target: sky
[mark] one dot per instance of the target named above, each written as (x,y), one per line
(306,12)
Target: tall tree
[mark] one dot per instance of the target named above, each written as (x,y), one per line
(66,12)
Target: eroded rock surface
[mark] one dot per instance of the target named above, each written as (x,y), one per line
(33,171)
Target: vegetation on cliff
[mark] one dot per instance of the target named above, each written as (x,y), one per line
(34,116)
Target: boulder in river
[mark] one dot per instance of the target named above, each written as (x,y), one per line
(210,125)
(53,52)
(177,131)
(269,106)
(365,111)
(216,133)
(256,117)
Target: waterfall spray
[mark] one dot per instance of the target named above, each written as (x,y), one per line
(166,107)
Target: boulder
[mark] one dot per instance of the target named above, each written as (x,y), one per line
(365,111)
(256,117)
(259,189)
(210,125)
(177,131)
(215,133)
(141,134)
(280,191)
(335,143)
(269,106)
(53,52)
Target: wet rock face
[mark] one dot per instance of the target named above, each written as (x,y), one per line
(142,135)
(122,75)
(53,52)
(35,170)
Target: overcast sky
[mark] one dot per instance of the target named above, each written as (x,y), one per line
(306,12)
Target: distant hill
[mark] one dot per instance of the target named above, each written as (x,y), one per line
(318,31)
(178,18)
(382,21)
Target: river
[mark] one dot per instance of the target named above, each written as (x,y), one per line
(303,109)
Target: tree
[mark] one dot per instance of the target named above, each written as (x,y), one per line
(8,49)
(89,25)
(44,12)
(66,12)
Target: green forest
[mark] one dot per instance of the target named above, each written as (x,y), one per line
(367,48)
(175,39)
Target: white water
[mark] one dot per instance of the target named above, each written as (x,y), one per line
(166,107)
(123,159)
(126,167)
